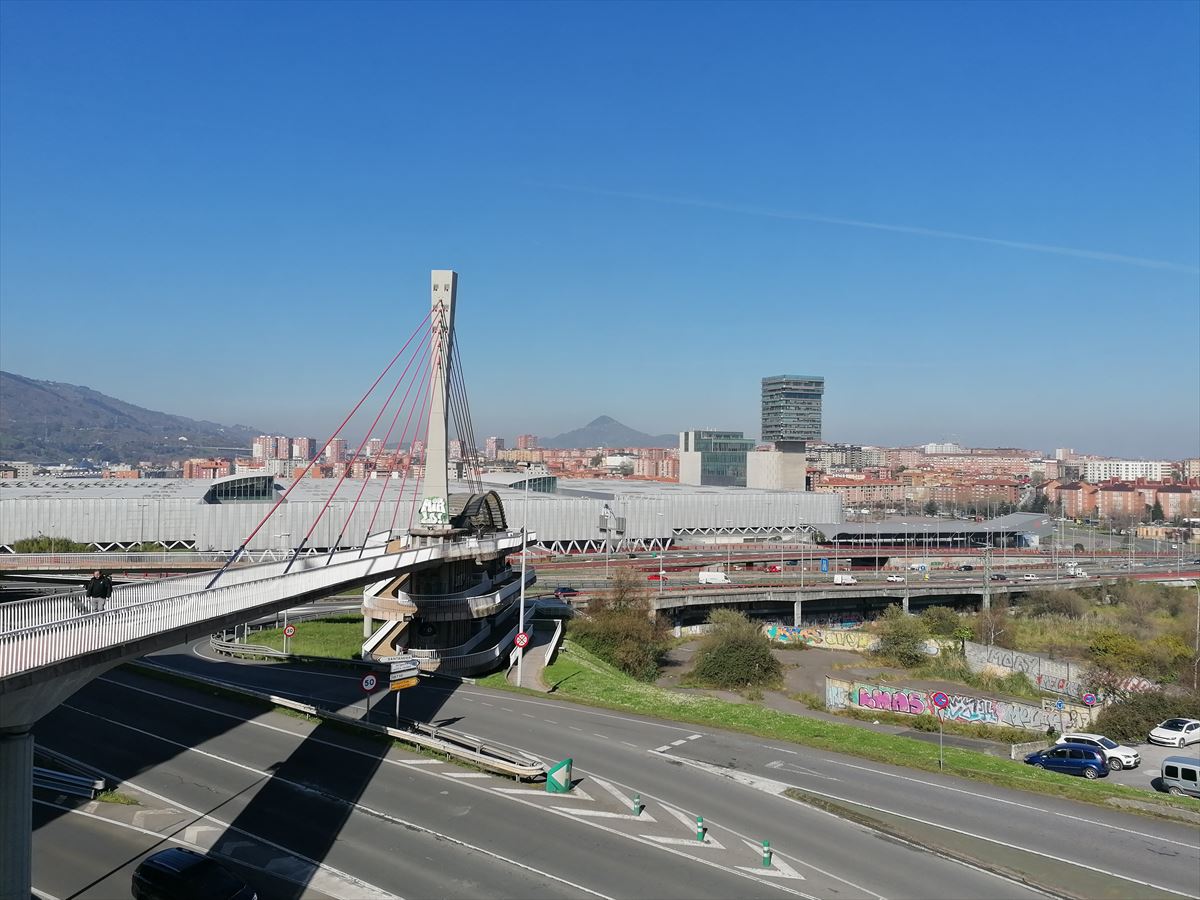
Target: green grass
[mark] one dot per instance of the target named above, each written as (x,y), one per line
(953,668)
(577,675)
(118,798)
(339,637)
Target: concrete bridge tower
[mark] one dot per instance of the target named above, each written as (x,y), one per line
(435,509)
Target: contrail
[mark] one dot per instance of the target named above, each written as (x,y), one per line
(882,226)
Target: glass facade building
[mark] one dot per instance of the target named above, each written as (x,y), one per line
(714,457)
(791,408)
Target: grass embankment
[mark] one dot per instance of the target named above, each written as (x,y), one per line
(577,675)
(339,637)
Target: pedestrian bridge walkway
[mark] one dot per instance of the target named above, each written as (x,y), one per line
(47,638)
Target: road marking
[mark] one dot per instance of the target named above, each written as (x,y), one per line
(387,817)
(310,875)
(693,737)
(573,728)
(579,792)
(777,788)
(485,703)
(1051,812)
(799,770)
(627,744)
(777,869)
(661,749)
(601,736)
(621,798)
(576,794)
(467,774)
(605,814)
(677,743)
(420,762)
(549,721)
(707,843)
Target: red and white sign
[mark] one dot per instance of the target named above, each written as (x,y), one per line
(369,681)
(289,631)
(522,639)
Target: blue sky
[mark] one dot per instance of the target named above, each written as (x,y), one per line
(978,221)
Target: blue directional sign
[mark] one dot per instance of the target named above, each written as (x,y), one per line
(1059,705)
(824,565)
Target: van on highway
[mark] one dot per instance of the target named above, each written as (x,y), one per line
(714,578)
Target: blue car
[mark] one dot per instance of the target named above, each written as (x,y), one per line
(561,592)
(1072,759)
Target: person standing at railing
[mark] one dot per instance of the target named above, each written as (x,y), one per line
(99,589)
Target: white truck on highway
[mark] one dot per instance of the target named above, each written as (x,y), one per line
(842,578)
(714,578)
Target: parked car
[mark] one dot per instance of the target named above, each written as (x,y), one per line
(1176,732)
(896,579)
(1071,759)
(561,592)
(1118,756)
(999,576)
(181,874)
(966,567)
(1180,776)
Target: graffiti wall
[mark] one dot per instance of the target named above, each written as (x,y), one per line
(893,698)
(832,638)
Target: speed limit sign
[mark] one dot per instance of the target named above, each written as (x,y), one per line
(369,681)
(289,631)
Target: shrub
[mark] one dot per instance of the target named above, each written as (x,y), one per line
(1055,603)
(941,620)
(735,654)
(1131,718)
(620,629)
(902,638)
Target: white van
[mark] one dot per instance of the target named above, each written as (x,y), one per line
(1029,576)
(1181,776)
(844,579)
(714,578)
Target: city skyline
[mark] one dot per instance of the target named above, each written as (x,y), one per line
(931,207)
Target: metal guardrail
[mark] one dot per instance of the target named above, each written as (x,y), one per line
(25,647)
(456,744)
(555,641)
(62,783)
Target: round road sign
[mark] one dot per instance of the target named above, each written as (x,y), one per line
(1058,704)
(369,681)
(289,630)
(1089,699)
(939,699)
(522,639)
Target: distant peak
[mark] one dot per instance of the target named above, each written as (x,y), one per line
(603,420)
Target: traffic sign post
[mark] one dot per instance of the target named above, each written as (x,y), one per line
(368,683)
(521,640)
(558,779)
(1089,699)
(289,631)
(824,565)
(941,701)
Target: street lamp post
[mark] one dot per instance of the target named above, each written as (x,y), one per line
(661,551)
(524,557)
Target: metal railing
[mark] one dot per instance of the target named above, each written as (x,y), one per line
(552,648)
(67,633)
(62,783)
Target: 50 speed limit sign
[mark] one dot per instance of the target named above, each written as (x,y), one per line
(369,681)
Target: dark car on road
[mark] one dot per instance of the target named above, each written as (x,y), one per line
(966,567)
(181,874)
(999,576)
(561,592)
(1071,759)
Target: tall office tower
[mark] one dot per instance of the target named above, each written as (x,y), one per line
(336,451)
(303,448)
(791,410)
(527,441)
(492,446)
(713,457)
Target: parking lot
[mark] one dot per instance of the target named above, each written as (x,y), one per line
(1152,757)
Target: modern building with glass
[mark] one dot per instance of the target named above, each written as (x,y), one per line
(715,458)
(791,410)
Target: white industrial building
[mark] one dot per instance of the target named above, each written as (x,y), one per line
(579,514)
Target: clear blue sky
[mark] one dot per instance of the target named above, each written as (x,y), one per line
(229,211)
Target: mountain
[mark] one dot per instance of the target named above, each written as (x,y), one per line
(608,432)
(53,422)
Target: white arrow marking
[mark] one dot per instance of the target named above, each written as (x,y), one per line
(708,842)
(604,814)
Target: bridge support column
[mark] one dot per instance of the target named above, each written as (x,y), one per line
(904,603)
(368,626)
(798,613)
(16,814)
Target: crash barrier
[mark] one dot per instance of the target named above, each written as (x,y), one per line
(455,744)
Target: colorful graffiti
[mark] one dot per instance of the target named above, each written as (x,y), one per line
(961,707)
(833,638)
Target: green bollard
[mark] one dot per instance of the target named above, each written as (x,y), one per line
(637,804)
(766,854)
(700,828)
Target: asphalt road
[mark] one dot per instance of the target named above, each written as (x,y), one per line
(279,795)
(735,782)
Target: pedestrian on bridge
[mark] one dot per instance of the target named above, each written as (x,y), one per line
(99,589)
